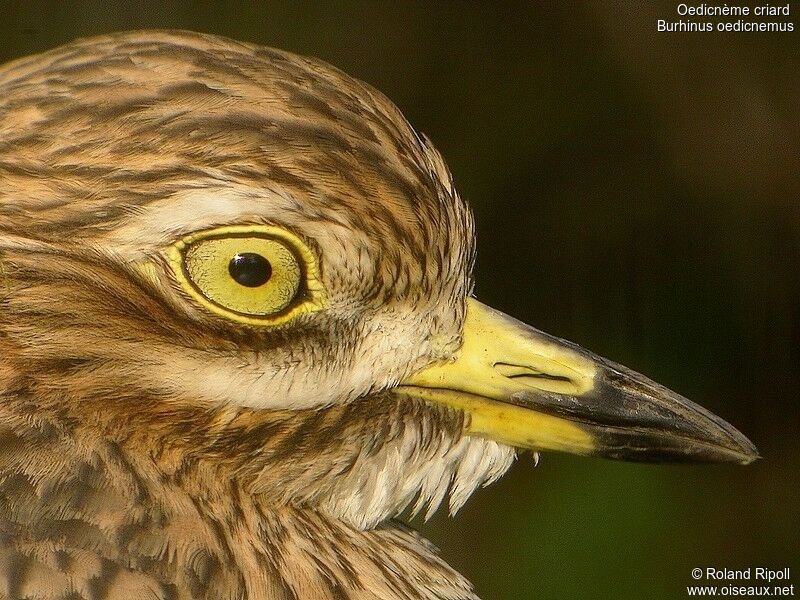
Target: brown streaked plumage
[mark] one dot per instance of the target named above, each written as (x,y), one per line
(101,140)
(151,448)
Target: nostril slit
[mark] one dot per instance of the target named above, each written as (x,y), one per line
(513,371)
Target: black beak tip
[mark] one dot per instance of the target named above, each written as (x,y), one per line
(731,445)
(698,437)
(747,451)
(726,445)
(680,451)
(663,426)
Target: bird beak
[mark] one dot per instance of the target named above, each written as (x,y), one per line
(527,389)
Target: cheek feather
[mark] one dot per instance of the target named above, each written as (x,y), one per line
(309,376)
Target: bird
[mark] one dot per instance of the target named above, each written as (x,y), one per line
(238,336)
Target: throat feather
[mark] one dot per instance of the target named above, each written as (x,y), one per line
(411,474)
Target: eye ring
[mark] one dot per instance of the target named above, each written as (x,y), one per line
(258,275)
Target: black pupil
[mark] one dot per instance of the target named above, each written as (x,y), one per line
(250,269)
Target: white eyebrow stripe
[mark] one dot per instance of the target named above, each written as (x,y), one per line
(158,224)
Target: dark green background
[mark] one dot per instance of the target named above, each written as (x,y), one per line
(636,192)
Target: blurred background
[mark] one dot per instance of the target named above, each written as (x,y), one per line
(636,192)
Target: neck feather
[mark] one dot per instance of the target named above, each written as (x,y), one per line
(237,503)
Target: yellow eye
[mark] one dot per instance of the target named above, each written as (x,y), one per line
(259,275)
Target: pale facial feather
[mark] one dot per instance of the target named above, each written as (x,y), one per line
(407,474)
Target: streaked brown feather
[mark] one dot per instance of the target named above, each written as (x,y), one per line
(117,480)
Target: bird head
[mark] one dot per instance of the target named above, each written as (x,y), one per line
(240,265)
